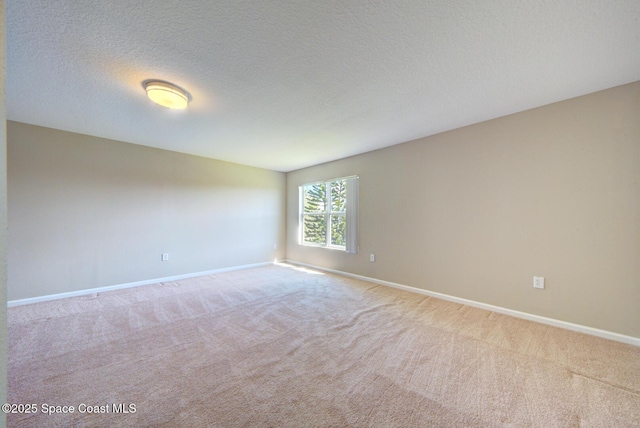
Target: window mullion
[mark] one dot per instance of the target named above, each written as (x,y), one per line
(327,215)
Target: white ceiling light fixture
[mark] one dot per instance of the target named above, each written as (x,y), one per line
(166,94)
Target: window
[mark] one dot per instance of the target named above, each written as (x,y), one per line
(329,214)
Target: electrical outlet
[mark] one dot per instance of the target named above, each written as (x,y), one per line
(538,282)
(372,257)
(165,257)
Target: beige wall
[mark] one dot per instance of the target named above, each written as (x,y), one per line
(3,220)
(86,212)
(477,212)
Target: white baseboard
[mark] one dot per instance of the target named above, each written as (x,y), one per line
(30,300)
(531,317)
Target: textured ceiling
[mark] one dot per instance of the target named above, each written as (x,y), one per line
(287,84)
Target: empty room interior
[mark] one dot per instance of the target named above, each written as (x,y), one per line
(416,213)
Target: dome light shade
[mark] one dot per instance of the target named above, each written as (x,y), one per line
(166,94)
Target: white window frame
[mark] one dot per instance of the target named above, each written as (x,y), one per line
(328,213)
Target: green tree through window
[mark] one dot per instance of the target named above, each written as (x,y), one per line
(314,219)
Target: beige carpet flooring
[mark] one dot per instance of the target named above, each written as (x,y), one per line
(283,347)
